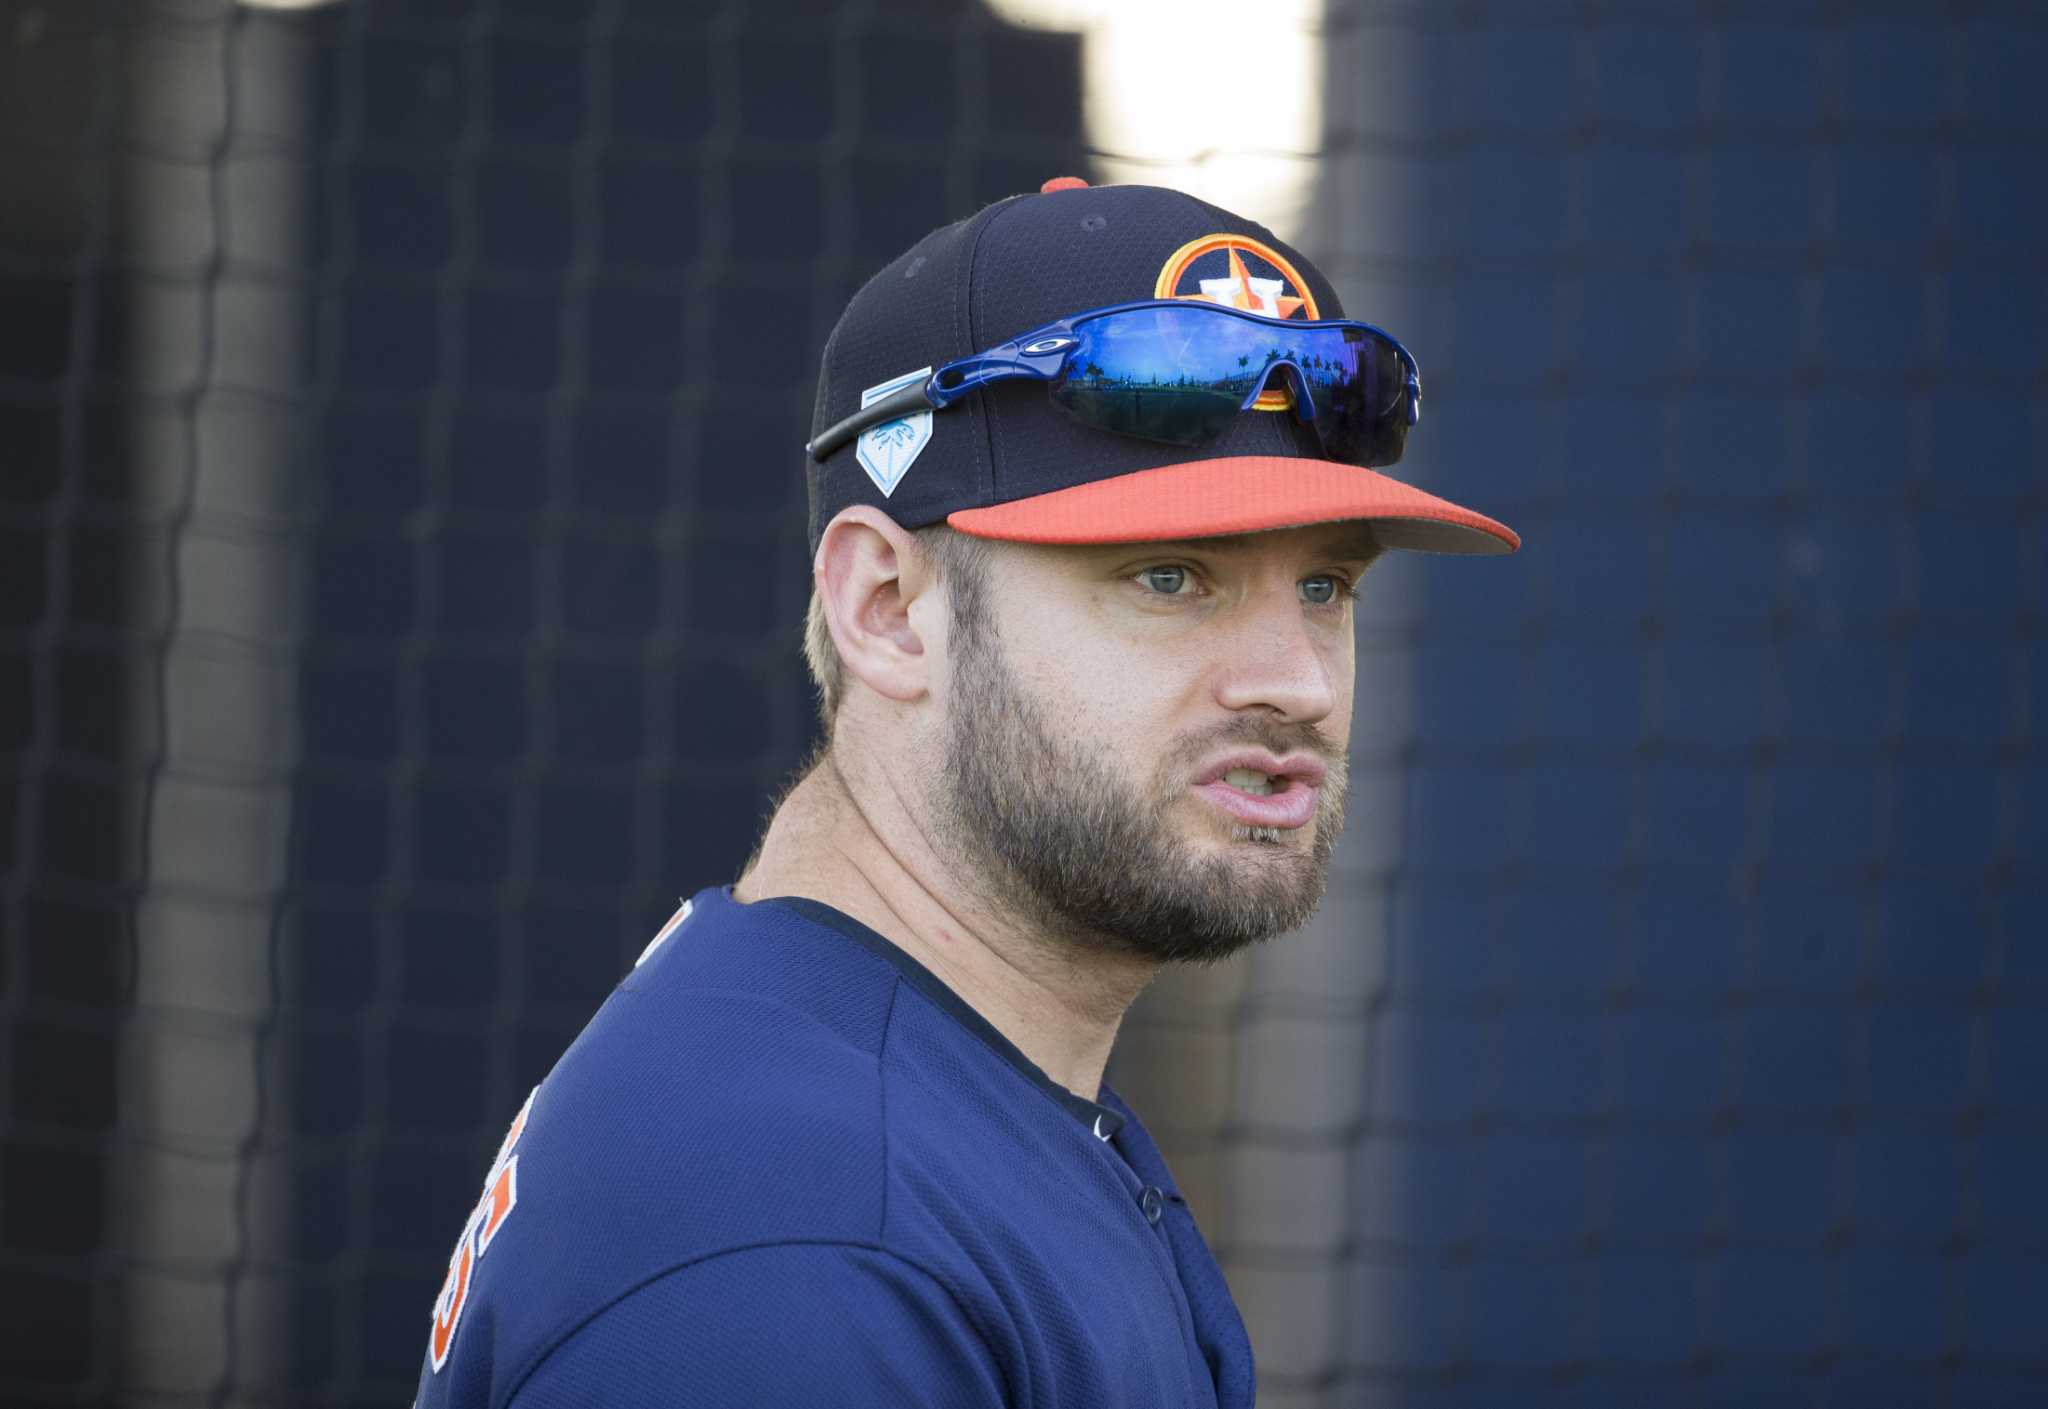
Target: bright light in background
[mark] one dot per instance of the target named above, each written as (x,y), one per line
(1223,100)
(218,183)
(1227,101)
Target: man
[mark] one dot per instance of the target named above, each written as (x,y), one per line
(1082,631)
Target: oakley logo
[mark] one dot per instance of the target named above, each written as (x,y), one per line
(1045,345)
(887,451)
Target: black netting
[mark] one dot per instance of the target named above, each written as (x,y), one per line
(401,556)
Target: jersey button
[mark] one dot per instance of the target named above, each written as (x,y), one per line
(1153,1203)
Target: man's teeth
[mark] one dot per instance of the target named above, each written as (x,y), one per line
(1247,780)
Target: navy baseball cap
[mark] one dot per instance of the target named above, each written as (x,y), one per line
(1006,463)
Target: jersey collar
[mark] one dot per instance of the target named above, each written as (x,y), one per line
(1101,1120)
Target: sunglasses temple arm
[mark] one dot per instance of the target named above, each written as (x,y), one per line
(942,389)
(894,406)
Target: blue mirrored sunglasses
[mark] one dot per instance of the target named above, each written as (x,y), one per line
(1180,371)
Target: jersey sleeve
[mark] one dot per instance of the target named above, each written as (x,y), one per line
(790,1324)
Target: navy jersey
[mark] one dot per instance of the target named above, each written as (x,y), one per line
(786,1165)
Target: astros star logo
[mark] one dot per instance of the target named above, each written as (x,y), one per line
(1250,275)
(1241,290)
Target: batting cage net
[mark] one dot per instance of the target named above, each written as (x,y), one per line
(402,562)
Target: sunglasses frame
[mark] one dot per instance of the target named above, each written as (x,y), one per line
(1041,353)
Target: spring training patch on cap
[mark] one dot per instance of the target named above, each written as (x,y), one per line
(887,450)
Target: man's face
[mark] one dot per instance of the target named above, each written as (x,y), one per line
(1144,744)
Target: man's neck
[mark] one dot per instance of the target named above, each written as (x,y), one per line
(856,844)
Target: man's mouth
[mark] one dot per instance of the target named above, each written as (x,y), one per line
(1247,780)
(1262,798)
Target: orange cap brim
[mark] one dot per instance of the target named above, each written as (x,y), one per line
(1238,494)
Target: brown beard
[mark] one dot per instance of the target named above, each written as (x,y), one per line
(1056,836)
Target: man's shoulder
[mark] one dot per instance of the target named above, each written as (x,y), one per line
(733,1071)
(772,951)
(727,1095)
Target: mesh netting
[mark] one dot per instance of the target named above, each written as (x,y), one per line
(401,557)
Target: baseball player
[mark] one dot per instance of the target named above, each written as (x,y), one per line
(1093,480)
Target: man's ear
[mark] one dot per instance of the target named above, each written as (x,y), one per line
(868,573)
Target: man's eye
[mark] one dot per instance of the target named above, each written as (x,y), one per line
(1321,591)
(1165,581)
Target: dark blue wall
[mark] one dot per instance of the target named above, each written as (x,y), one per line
(1723,921)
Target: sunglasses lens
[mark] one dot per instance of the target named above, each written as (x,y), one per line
(1156,373)
(1363,410)
(1182,375)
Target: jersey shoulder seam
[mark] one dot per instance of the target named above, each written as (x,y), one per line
(643,995)
(590,1318)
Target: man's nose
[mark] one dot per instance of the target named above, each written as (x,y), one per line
(1276,660)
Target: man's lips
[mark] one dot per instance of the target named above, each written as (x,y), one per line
(1297,782)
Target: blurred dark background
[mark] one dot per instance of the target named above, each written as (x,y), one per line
(401,572)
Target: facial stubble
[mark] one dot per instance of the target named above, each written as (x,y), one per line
(1058,833)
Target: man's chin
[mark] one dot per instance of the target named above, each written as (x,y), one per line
(1201,897)
(1222,834)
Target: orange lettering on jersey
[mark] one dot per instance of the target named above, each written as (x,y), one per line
(448,1306)
(500,1197)
(518,1129)
(504,1193)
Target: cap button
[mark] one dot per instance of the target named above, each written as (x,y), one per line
(1063,183)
